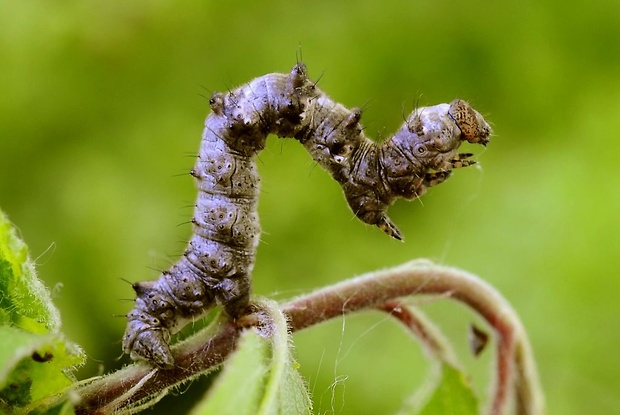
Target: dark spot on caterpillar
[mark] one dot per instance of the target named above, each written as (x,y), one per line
(215,268)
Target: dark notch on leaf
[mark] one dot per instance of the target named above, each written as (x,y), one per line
(46,357)
(478,340)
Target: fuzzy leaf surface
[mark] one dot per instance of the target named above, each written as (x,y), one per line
(35,358)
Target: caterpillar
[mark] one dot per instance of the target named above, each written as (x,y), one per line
(216,265)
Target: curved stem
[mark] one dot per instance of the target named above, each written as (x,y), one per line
(515,365)
(210,347)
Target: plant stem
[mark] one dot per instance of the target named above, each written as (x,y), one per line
(515,364)
(195,356)
(210,347)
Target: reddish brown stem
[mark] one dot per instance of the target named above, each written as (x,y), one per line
(193,357)
(373,290)
(210,347)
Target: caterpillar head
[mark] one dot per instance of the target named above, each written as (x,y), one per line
(434,134)
(428,143)
(471,123)
(424,150)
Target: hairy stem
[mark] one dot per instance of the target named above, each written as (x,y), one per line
(515,364)
(210,347)
(198,355)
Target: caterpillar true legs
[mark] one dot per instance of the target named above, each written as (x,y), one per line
(218,261)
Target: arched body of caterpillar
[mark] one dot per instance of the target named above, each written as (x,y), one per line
(216,266)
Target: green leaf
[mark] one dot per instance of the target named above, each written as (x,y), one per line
(24,300)
(260,377)
(293,397)
(242,383)
(452,395)
(35,358)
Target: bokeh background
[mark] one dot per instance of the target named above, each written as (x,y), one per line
(101,110)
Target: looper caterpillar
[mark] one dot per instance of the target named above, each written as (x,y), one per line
(219,258)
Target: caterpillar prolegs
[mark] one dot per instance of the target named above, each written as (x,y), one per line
(215,268)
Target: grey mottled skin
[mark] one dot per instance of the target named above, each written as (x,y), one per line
(217,263)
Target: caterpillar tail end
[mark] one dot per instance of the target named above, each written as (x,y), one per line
(160,356)
(387,226)
(142,342)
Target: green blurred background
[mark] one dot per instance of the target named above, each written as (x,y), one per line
(102,108)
